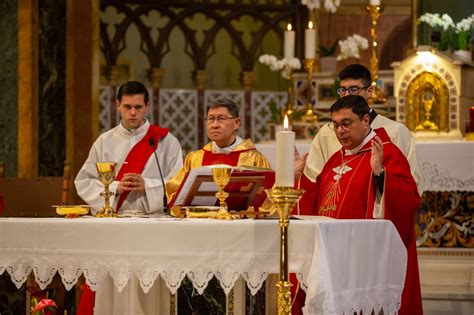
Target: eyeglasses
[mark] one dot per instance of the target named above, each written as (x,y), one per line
(353,90)
(219,119)
(345,124)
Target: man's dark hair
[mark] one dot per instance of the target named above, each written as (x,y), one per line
(356,72)
(132,88)
(357,103)
(227,103)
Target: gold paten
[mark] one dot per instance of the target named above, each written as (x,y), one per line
(284,200)
(71,211)
(427,99)
(106,172)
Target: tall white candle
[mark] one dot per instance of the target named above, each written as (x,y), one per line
(310,42)
(285,145)
(374,2)
(289,43)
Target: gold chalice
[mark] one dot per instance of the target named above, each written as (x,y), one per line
(221,177)
(106,171)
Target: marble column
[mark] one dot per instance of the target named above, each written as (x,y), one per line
(28,88)
(82,80)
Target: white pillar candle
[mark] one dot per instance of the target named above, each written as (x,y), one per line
(285,145)
(310,42)
(289,43)
(374,2)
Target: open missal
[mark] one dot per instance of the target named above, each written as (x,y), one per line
(246,187)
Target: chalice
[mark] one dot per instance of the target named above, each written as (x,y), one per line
(106,172)
(221,177)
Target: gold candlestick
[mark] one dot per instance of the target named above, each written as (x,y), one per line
(378,97)
(284,199)
(221,177)
(106,172)
(290,106)
(309,115)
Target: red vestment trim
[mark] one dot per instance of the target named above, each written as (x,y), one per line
(232,158)
(138,156)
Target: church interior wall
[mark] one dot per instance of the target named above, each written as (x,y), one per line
(9,84)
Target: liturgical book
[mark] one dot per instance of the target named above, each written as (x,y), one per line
(246,187)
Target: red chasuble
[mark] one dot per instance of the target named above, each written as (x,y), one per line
(345,189)
(138,156)
(232,159)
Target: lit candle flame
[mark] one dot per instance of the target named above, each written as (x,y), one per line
(288,27)
(285,122)
(310,24)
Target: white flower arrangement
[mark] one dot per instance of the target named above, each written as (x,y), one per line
(286,65)
(435,20)
(329,5)
(351,47)
(465,25)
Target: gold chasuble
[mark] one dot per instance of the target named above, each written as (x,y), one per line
(244,154)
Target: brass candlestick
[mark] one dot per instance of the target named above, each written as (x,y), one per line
(309,115)
(290,106)
(378,97)
(284,199)
(106,172)
(221,177)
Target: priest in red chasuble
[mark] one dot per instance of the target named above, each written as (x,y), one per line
(368,178)
(226,147)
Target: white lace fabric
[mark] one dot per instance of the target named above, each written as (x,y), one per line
(344,265)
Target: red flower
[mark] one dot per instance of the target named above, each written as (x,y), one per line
(43,304)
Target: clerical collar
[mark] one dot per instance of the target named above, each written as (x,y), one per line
(142,127)
(369,137)
(372,114)
(226,150)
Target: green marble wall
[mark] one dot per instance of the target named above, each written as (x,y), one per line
(9,85)
(52,87)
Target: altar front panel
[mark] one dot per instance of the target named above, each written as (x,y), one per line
(333,258)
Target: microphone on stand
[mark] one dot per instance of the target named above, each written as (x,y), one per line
(151,141)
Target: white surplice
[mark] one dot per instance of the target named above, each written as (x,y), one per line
(114,145)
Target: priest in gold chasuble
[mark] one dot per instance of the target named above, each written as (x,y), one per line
(226,147)
(368,178)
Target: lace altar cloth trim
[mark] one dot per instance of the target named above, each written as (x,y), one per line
(334,259)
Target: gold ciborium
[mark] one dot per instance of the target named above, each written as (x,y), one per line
(221,177)
(284,199)
(106,172)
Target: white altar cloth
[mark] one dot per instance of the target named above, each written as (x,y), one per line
(345,265)
(444,165)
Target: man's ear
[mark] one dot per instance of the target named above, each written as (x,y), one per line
(117,103)
(370,90)
(237,123)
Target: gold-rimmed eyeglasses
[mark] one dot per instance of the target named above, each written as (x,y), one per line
(219,119)
(345,124)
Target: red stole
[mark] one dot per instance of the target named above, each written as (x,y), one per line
(232,159)
(138,156)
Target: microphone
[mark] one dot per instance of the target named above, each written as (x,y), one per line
(151,141)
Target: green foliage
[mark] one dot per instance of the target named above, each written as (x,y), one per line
(276,116)
(328,51)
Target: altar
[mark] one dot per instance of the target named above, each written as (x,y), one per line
(146,249)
